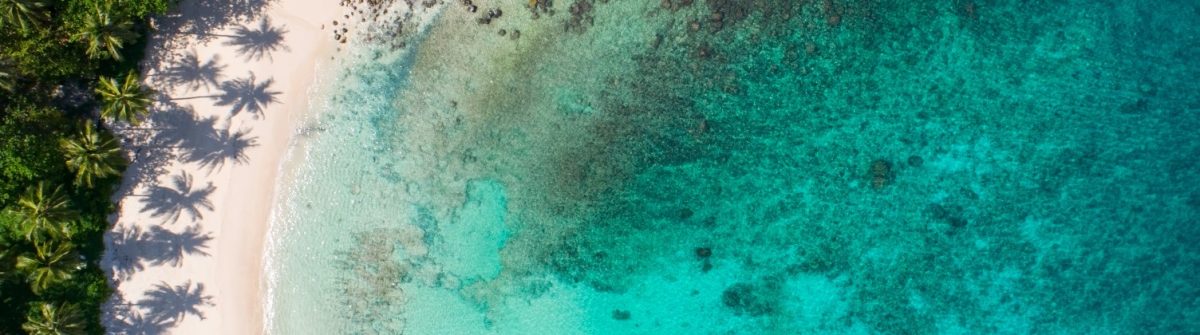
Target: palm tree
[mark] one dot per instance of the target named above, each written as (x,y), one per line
(103,35)
(126,101)
(41,211)
(48,264)
(91,155)
(25,14)
(54,319)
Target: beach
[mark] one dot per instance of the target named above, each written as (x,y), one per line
(194,209)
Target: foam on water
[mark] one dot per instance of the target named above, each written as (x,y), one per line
(320,209)
(755,167)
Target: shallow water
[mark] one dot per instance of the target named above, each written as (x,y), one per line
(753,167)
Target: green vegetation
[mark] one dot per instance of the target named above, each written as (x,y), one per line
(54,320)
(58,165)
(91,155)
(126,101)
(49,263)
(103,35)
(41,213)
(23,14)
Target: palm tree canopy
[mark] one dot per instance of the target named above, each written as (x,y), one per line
(48,264)
(105,35)
(54,319)
(42,210)
(125,101)
(91,154)
(25,14)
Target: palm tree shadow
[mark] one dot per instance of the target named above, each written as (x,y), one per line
(174,303)
(126,252)
(120,317)
(220,147)
(256,43)
(193,74)
(182,129)
(136,323)
(153,147)
(203,21)
(247,95)
(199,141)
(172,247)
(180,197)
(209,16)
(132,248)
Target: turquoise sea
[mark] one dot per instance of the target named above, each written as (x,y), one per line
(750,167)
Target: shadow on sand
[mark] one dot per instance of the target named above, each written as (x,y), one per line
(174,303)
(159,246)
(208,16)
(180,196)
(205,19)
(164,306)
(247,95)
(177,134)
(222,146)
(256,43)
(189,72)
(122,317)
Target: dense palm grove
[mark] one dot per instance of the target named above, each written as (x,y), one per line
(67,73)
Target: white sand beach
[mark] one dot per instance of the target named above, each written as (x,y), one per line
(186,248)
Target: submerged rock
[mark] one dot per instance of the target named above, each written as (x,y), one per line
(686,213)
(751,299)
(881,173)
(915,161)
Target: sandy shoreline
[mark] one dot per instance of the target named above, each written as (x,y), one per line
(185,254)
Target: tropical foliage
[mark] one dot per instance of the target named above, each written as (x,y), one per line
(105,34)
(54,319)
(48,264)
(22,14)
(58,166)
(92,155)
(41,211)
(125,101)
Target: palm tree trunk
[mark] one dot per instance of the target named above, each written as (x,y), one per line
(195,97)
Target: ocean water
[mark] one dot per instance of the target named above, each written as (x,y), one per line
(751,167)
